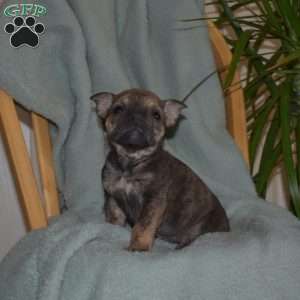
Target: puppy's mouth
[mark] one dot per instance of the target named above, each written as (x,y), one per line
(132,140)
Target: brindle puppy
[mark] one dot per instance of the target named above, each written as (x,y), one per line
(145,186)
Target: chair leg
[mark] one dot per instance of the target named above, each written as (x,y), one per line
(31,201)
(44,154)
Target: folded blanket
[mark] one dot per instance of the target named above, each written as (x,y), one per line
(111,45)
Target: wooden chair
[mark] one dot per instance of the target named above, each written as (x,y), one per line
(39,208)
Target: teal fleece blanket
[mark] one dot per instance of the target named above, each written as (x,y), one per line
(111,45)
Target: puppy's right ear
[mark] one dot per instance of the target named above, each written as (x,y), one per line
(103,103)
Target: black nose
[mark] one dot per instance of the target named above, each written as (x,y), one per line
(134,138)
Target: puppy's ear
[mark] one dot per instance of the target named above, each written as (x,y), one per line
(103,103)
(172,109)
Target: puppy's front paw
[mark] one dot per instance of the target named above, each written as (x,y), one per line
(113,213)
(137,245)
(141,240)
(115,220)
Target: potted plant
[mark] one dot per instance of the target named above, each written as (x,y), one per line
(264,36)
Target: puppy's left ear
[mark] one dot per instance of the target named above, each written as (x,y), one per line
(172,110)
(103,103)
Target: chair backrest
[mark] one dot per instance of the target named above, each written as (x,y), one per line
(234,104)
(39,208)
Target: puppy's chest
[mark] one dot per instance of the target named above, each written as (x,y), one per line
(126,184)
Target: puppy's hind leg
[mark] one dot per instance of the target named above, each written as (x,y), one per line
(188,237)
(189,233)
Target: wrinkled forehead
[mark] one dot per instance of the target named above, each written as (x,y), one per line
(139,99)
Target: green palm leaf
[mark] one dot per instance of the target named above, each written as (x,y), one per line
(271,83)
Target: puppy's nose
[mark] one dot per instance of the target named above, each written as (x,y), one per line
(133,138)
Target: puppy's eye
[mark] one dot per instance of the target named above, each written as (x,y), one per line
(156,115)
(118,109)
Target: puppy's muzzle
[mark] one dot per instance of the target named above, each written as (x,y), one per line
(133,138)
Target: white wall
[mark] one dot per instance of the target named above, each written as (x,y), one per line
(12,227)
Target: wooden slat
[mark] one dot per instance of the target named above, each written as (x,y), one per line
(235,107)
(22,167)
(46,166)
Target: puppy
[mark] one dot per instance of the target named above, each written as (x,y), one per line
(145,186)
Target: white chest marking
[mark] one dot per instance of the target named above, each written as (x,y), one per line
(125,185)
(116,182)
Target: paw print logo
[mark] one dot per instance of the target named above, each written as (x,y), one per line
(24,31)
